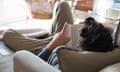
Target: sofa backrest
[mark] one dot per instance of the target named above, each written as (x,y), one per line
(71,60)
(117,34)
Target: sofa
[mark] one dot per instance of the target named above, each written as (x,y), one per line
(70,59)
(86,62)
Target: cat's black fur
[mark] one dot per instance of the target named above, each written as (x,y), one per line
(96,37)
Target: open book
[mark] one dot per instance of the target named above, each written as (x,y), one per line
(75,35)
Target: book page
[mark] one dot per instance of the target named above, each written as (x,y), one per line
(74,32)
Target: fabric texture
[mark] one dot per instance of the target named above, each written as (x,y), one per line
(76,61)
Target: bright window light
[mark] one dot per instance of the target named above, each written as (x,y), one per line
(116,4)
(14,10)
(14,14)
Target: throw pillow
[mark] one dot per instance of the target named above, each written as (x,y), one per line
(83,61)
(115,31)
(117,34)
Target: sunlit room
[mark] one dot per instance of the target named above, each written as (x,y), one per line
(59,36)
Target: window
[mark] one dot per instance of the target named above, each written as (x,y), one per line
(116,4)
(99,9)
(41,9)
(14,14)
(13,10)
(84,5)
(114,11)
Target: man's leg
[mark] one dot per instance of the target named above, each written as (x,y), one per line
(61,14)
(17,41)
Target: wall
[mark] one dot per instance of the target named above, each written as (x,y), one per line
(1,9)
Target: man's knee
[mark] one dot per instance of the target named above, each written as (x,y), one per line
(10,33)
(64,4)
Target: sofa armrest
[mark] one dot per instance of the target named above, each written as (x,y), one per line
(111,68)
(25,61)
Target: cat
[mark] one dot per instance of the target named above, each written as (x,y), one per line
(96,37)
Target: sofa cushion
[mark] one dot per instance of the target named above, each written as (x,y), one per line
(111,68)
(115,31)
(6,63)
(34,64)
(4,50)
(117,34)
(83,61)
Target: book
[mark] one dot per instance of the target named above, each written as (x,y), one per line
(74,32)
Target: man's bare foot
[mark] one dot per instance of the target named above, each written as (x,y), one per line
(60,38)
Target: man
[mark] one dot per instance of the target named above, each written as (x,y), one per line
(92,33)
(16,41)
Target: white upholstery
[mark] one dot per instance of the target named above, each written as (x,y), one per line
(6,63)
(111,68)
(25,61)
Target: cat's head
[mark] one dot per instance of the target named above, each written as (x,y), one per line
(90,21)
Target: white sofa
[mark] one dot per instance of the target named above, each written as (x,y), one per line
(25,61)
(71,60)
